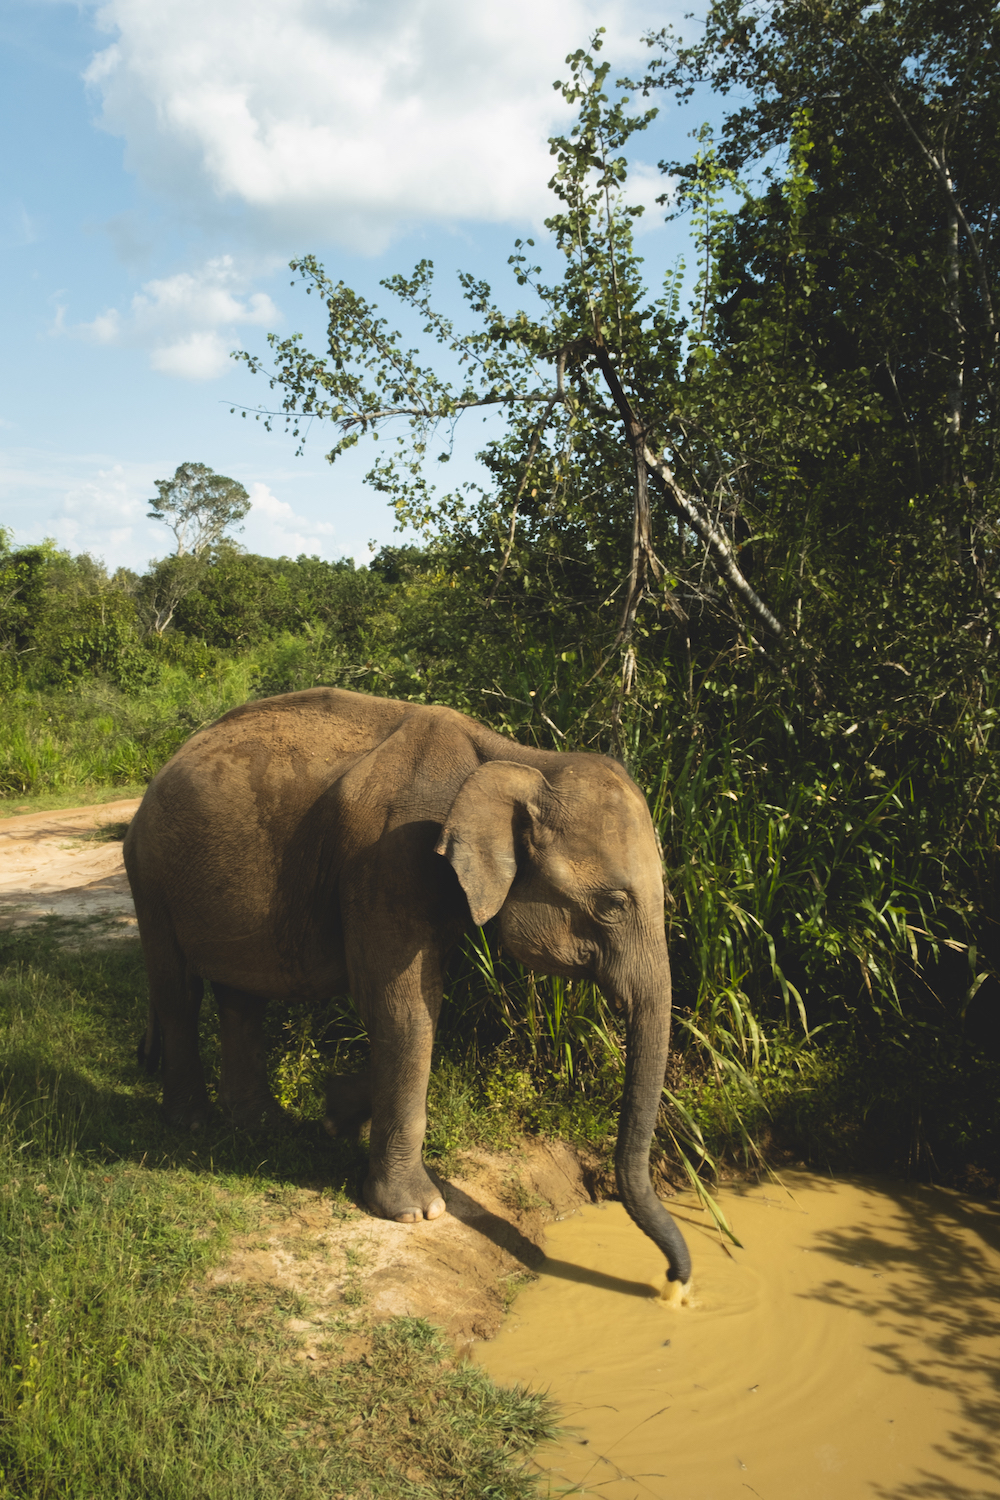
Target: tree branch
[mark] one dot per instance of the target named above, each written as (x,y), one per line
(719,549)
(535,441)
(718,544)
(426,413)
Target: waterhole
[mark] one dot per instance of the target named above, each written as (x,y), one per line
(850,1348)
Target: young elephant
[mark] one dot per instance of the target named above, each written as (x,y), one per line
(327,841)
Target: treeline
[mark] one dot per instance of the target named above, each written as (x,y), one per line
(64,618)
(155,654)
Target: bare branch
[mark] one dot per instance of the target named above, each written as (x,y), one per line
(424,413)
(721,551)
(719,548)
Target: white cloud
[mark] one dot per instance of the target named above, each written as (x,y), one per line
(274,529)
(645,184)
(186,320)
(87,502)
(199,356)
(100,514)
(348,120)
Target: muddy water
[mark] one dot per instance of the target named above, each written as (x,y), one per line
(850,1349)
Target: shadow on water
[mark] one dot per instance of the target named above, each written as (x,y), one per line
(935,1321)
(565,1270)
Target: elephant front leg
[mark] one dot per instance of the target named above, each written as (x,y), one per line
(398,1186)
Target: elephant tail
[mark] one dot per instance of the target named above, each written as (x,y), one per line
(150,1050)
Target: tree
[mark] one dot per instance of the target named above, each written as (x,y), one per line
(169,581)
(589,382)
(22,601)
(901,106)
(198,505)
(866,262)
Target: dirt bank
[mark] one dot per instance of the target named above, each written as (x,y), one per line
(460,1272)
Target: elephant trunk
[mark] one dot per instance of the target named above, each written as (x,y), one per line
(648,1040)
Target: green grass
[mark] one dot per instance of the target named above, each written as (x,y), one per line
(64,742)
(71,794)
(119,1373)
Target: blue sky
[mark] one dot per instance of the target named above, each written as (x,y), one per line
(163,161)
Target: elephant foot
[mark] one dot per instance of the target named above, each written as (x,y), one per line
(406,1198)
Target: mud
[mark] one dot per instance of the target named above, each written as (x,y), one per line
(851,1348)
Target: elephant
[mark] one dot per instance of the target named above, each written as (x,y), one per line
(329,841)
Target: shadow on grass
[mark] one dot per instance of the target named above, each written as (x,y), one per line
(70,1018)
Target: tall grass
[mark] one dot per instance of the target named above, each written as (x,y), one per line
(563,1028)
(787,908)
(96,735)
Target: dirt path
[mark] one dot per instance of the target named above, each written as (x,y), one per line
(63,864)
(460,1271)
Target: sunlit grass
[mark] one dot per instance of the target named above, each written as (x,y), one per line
(97,736)
(120,1373)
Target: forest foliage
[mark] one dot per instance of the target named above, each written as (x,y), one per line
(748,545)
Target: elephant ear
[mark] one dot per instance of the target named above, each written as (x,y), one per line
(496,807)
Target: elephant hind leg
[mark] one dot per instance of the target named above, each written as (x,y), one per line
(172,1036)
(244,1091)
(149,1053)
(348,1102)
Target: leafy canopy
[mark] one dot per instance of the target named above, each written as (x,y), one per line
(589,382)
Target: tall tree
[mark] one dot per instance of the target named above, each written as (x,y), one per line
(588,383)
(900,101)
(199,506)
(863,270)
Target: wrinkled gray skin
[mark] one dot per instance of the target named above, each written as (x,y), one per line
(327,841)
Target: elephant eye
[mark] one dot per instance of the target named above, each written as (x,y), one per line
(611,905)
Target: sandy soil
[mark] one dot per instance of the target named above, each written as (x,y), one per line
(459,1271)
(51,865)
